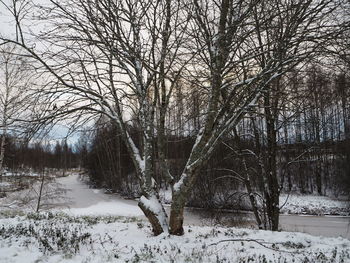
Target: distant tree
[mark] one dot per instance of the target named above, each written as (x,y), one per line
(15,100)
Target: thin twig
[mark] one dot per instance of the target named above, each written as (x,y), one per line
(255,241)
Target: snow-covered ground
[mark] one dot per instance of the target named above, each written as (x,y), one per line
(79,196)
(87,201)
(298,204)
(28,172)
(313,205)
(79,199)
(91,226)
(62,238)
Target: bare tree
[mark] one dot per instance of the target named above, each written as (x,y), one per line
(238,63)
(119,59)
(293,32)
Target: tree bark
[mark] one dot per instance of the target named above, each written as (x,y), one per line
(180,193)
(272,194)
(155,213)
(177,213)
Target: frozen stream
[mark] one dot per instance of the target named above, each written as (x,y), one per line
(87,201)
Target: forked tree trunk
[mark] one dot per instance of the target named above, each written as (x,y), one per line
(149,202)
(155,213)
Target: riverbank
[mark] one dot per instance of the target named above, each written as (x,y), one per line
(294,204)
(78,199)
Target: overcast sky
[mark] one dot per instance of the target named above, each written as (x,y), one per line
(7,29)
(6,22)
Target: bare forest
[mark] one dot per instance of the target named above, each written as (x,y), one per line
(222,104)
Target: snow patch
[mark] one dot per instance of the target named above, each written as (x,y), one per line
(313,204)
(152,204)
(106,208)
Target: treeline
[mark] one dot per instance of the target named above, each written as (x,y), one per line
(299,130)
(39,155)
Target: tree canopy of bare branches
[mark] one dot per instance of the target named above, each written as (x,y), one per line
(123,59)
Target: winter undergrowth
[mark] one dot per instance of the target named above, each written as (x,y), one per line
(60,237)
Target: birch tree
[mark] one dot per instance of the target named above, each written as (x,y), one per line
(233,38)
(119,59)
(294,31)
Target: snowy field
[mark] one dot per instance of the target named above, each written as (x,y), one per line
(88,225)
(49,237)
